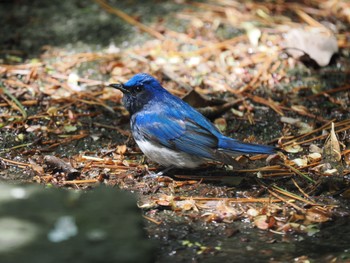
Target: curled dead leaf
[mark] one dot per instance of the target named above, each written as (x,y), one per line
(221,124)
(165,200)
(252,212)
(36,167)
(314,157)
(303,127)
(186,205)
(293,148)
(330,172)
(331,149)
(275,158)
(313,148)
(316,215)
(33,128)
(121,149)
(226,211)
(300,162)
(261,222)
(319,169)
(52,111)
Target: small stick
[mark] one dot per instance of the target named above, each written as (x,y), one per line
(152,220)
(129,19)
(287,201)
(300,190)
(19,164)
(233,200)
(88,181)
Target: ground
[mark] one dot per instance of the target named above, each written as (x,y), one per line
(62,127)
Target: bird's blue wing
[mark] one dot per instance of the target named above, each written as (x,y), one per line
(177,133)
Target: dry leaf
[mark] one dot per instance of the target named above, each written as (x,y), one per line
(121,149)
(293,148)
(165,200)
(36,168)
(186,205)
(318,43)
(314,157)
(224,210)
(260,222)
(253,33)
(317,215)
(221,124)
(303,127)
(313,148)
(300,162)
(331,149)
(331,172)
(33,128)
(73,82)
(347,158)
(252,212)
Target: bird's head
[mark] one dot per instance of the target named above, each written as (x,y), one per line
(138,91)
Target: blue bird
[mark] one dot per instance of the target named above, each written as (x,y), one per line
(171,132)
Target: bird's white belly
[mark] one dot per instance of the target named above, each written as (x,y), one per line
(168,157)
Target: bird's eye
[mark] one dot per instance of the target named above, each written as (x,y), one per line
(138,88)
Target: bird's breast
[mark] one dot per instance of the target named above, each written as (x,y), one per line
(166,156)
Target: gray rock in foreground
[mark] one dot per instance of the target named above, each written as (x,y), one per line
(55,225)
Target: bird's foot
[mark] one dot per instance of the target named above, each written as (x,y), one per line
(156,175)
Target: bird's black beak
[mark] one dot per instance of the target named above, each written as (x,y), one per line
(119,86)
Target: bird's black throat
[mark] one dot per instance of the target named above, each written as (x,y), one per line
(134,97)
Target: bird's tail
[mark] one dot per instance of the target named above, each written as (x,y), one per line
(232,145)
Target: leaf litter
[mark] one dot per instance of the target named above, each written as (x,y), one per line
(50,102)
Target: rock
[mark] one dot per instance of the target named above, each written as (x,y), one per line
(38,224)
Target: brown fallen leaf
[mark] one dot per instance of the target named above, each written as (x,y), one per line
(314,157)
(221,124)
(59,165)
(300,162)
(293,148)
(331,149)
(318,43)
(347,157)
(261,222)
(303,127)
(316,215)
(121,149)
(186,205)
(36,167)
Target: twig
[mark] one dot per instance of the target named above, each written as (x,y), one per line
(286,201)
(121,131)
(88,181)
(152,220)
(300,190)
(129,19)
(298,172)
(16,147)
(346,87)
(15,163)
(273,105)
(215,46)
(18,104)
(308,19)
(232,200)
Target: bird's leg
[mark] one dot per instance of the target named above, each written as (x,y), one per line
(164,171)
(160,173)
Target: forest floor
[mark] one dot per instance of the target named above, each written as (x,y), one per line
(269,73)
